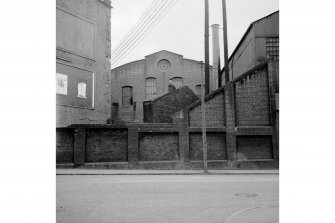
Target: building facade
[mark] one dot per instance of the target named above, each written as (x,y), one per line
(146,79)
(83,52)
(259,43)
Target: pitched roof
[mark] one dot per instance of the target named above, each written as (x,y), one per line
(164,51)
(246,33)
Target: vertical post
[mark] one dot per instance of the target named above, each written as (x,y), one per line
(230,121)
(206,47)
(203,118)
(225,41)
(273,110)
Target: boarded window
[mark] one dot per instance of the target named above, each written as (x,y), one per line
(150,88)
(177,82)
(127,95)
(272,48)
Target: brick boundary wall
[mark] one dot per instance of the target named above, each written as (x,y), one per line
(241,146)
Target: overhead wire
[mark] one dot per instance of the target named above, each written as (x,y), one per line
(145,30)
(134,28)
(140,31)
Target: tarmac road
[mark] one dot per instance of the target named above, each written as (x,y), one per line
(167,198)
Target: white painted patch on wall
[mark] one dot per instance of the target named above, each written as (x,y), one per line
(61,84)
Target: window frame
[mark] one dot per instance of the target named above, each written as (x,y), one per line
(150,90)
(272,48)
(129,97)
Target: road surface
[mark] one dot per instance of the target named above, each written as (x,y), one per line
(167,198)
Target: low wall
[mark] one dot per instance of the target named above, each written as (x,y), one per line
(216,144)
(254,147)
(64,145)
(158,146)
(154,146)
(242,132)
(106,145)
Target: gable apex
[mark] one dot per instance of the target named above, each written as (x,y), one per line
(164,51)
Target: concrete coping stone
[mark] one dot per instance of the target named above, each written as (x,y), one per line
(81,171)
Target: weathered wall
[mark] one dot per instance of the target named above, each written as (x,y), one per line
(216,146)
(249,115)
(215,116)
(252,99)
(64,145)
(160,109)
(158,147)
(134,74)
(130,74)
(106,145)
(254,147)
(81,54)
(245,141)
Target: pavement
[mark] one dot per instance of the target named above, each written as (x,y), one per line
(196,198)
(81,171)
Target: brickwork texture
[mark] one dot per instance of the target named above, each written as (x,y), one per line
(254,147)
(252,100)
(216,146)
(159,110)
(135,73)
(247,139)
(215,116)
(106,145)
(158,147)
(64,145)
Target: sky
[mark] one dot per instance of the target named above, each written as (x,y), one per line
(182,28)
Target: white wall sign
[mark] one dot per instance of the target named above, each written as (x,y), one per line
(82,90)
(61,84)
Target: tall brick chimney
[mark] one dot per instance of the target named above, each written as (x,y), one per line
(216,57)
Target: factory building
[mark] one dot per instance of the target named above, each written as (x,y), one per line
(143,80)
(259,42)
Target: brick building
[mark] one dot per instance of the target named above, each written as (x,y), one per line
(160,109)
(242,133)
(83,51)
(141,80)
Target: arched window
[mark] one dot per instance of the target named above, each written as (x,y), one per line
(164,65)
(150,88)
(127,95)
(177,82)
